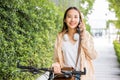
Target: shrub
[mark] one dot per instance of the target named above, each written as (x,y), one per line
(27,33)
(117,49)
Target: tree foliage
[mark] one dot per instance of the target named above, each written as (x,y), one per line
(114,6)
(27,30)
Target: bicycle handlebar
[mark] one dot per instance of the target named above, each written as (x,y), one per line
(32,69)
(37,70)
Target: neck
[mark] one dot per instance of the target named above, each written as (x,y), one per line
(71,32)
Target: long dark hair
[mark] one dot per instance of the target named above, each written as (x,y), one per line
(65,27)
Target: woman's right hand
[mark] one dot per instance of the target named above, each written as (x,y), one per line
(56,67)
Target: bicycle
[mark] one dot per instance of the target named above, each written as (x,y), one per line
(50,71)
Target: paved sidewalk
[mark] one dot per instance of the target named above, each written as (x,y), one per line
(106,65)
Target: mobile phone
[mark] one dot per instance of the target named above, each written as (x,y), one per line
(78,28)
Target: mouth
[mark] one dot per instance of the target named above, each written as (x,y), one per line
(72,24)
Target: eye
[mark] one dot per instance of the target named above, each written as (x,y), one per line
(69,16)
(76,16)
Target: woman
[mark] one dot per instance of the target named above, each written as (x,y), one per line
(67,43)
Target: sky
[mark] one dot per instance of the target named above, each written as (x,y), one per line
(100,14)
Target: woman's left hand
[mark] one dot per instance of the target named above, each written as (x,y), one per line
(82,30)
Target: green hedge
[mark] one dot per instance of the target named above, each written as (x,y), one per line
(117,49)
(27,33)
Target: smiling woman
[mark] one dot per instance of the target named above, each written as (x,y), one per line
(74,46)
(72,19)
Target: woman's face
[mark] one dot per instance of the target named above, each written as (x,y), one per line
(72,19)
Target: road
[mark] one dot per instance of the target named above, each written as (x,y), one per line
(106,65)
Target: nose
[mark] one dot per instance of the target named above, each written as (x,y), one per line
(72,19)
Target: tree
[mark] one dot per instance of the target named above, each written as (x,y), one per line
(114,6)
(27,30)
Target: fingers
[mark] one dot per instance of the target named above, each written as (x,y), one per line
(56,67)
(82,26)
(82,30)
